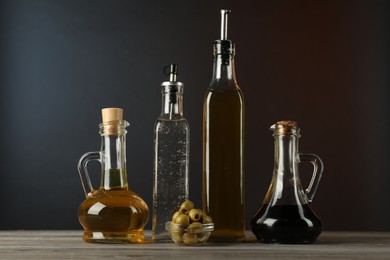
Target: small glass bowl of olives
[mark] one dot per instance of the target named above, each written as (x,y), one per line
(189,226)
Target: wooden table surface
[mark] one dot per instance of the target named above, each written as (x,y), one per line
(69,245)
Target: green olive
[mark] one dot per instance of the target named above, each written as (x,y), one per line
(190,239)
(182,219)
(195,228)
(202,237)
(186,206)
(177,213)
(177,236)
(195,214)
(207,219)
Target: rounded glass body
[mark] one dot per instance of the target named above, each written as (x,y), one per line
(113,216)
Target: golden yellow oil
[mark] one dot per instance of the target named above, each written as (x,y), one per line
(223,163)
(117,215)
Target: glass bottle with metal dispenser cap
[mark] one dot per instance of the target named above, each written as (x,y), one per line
(223,145)
(285,215)
(112,213)
(171,156)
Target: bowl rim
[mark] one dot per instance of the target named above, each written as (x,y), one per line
(170,226)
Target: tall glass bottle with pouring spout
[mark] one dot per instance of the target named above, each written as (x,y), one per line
(223,145)
(112,213)
(285,215)
(171,156)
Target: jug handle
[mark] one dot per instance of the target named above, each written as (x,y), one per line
(317,173)
(83,170)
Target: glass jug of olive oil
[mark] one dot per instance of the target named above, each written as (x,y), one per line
(112,213)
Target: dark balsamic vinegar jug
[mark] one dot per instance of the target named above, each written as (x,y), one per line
(285,215)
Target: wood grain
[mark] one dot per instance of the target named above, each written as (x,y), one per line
(69,245)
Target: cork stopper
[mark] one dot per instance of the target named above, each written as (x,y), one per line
(113,123)
(112,114)
(285,127)
(287,123)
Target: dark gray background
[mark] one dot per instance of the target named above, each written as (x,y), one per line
(322,63)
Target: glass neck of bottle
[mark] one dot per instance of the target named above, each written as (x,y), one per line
(223,68)
(286,150)
(114,175)
(172,105)
(286,188)
(224,75)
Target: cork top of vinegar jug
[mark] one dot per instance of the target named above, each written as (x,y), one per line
(285,127)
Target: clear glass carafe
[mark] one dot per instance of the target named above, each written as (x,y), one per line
(171,156)
(285,215)
(112,213)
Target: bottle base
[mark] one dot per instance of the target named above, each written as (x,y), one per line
(286,224)
(113,237)
(226,239)
(297,236)
(282,241)
(291,242)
